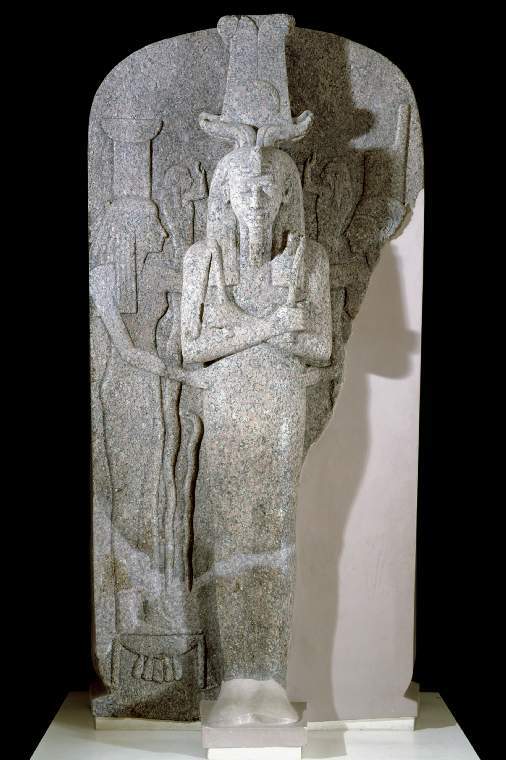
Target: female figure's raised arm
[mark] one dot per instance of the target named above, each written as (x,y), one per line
(102,284)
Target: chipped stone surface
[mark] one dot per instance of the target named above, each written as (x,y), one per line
(231,248)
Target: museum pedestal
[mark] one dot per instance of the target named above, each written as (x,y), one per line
(72,736)
(255,753)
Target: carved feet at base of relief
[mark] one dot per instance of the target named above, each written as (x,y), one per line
(165,669)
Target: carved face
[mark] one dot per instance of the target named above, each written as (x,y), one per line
(149,234)
(259,190)
(257,187)
(255,199)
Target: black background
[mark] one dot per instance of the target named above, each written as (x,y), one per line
(71,54)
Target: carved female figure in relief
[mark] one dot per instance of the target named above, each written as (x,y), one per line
(129,286)
(256,316)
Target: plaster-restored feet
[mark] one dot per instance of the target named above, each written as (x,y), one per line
(234,704)
(245,700)
(272,706)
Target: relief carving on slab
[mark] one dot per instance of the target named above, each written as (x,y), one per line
(228,259)
(182,189)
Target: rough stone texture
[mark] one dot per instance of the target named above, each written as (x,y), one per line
(195,464)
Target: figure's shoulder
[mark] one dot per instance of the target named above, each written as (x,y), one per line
(197,255)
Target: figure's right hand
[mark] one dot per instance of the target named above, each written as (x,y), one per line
(289,319)
(145,360)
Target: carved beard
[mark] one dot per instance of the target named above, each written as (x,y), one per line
(258,238)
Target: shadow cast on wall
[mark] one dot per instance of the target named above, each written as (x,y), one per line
(332,474)
(381,345)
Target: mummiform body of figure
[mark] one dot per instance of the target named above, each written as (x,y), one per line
(255,313)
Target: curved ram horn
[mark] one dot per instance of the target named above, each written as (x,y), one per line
(240,134)
(276,133)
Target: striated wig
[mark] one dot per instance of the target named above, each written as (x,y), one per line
(222,223)
(116,241)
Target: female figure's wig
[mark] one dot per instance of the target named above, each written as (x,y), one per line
(115,242)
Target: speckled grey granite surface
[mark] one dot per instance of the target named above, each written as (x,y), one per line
(231,245)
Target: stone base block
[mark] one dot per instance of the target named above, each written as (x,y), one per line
(255,740)
(255,753)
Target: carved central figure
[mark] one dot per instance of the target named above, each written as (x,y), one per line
(255,309)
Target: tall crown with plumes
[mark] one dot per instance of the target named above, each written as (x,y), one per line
(256,107)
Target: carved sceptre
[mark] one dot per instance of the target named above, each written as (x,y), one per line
(291,299)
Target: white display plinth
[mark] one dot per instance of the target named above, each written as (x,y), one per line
(72,736)
(254,753)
